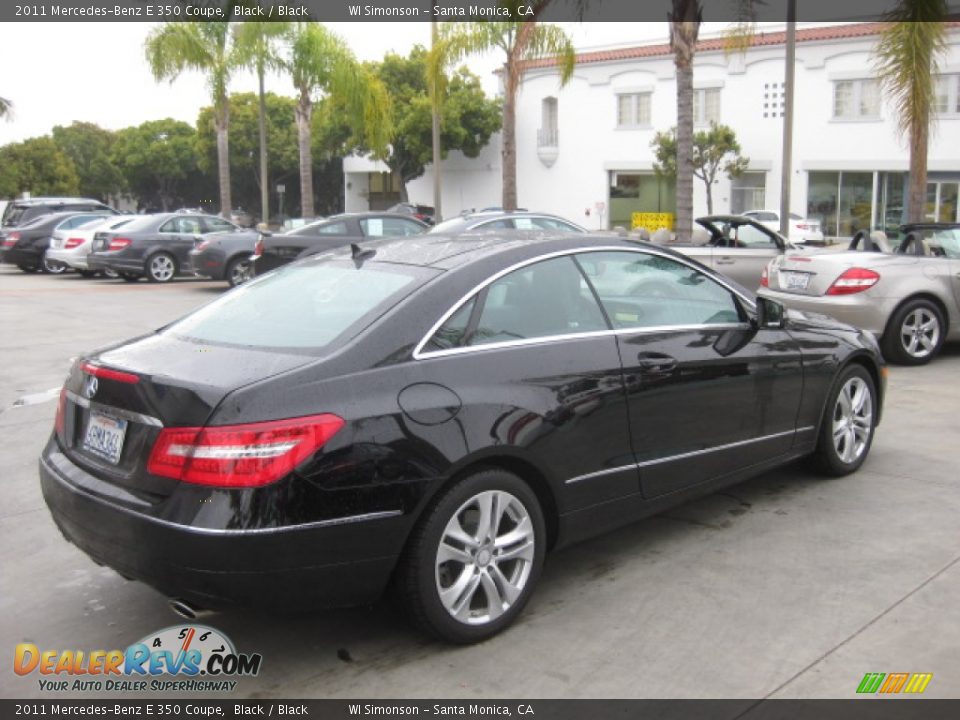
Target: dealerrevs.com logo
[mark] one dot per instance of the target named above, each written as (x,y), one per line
(178,658)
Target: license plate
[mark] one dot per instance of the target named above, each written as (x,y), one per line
(56,243)
(104,437)
(794,280)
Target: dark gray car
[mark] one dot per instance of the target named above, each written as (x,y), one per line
(157,246)
(225,256)
(501,220)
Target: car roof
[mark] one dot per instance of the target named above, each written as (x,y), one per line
(53,201)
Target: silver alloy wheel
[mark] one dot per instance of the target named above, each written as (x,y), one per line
(239,273)
(485,557)
(852,420)
(161,268)
(920,332)
(52,266)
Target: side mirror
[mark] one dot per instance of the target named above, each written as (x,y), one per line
(770,313)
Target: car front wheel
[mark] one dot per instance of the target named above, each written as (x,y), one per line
(846,432)
(238,271)
(915,333)
(473,561)
(161,268)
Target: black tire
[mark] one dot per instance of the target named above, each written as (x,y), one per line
(87,273)
(161,267)
(908,328)
(830,456)
(238,271)
(28,268)
(51,267)
(129,277)
(420,576)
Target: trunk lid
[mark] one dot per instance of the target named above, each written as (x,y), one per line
(112,420)
(812,274)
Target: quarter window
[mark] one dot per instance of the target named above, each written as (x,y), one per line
(337,228)
(649,291)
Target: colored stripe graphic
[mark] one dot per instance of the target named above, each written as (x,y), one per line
(918,682)
(893,683)
(871,683)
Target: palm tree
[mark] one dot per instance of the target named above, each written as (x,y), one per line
(521,42)
(6,108)
(256,48)
(685,20)
(320,61)
(907,58)
(206,47)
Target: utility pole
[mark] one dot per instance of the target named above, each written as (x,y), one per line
(787,160)
(437,214)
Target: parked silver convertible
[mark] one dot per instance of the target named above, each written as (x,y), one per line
(909,298)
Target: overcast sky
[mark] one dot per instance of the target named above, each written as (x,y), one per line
(56,73)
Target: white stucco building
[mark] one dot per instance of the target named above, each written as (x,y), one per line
(586,146)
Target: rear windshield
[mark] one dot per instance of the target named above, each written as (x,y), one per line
(143,222)
(305,306)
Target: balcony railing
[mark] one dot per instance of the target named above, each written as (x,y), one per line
(547,137)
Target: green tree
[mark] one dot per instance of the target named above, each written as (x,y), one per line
(257,49)
(36,166)
(158,160)
(714,150)
(320,63)
(90,148)
(468,117)
(907,59)
(206,47)
(245,116)
(521,39)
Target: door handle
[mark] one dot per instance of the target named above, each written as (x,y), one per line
(656,363)
(725,261)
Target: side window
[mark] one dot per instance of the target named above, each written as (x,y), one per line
(649,291)
(452,333)
(495,225)
(337,228)
(214,224)
(544,299)
(189,226)
(552,224)
(752,237)
(170,226)
(389,227)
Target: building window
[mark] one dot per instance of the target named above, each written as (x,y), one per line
(856,99)
(748,192)
(706,106)
(547,136)
(773,99)
(947,94)
(841,201)
(633,110)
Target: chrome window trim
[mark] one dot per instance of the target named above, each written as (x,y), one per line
(116,412)
(420,354)
(684,456)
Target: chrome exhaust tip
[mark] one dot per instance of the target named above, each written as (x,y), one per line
(188,610)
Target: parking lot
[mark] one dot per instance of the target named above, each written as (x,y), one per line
(787,586)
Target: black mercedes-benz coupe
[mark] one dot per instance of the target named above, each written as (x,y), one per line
(439,412)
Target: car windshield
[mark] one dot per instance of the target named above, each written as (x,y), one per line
(305,306)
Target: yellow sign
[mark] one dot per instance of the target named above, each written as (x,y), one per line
(651,221)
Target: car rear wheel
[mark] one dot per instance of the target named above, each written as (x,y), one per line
(238,271)
(161,268)
(846,432)
(28,268)
(52,267)
(473,561)
(915,333)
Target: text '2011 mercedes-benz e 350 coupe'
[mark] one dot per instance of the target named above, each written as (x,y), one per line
(439,412)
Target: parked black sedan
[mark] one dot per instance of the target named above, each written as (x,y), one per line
(272,251)
(26,246)
(225,255)
(441,411)
(157,246)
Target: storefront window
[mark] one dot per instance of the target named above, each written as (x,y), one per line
(947,212)
(822,191)
(890,202)
(639,192)
(856,191)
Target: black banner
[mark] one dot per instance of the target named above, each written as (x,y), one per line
(428,10)
(866,709)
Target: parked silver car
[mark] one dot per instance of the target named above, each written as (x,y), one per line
(909,298)
(72,246)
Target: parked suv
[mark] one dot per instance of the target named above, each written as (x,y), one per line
(21,212)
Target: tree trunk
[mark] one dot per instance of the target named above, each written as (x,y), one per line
(221,124)
(264,179)
(709,187)
(917,192)
(683,39)
(304,114)
(509,149)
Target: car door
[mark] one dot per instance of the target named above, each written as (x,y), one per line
(749,250)
(534,359)
(709,394)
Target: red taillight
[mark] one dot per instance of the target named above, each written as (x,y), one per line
(202,245)
(11,239)
(258,248)
(108,374)
(853,281)
(240,455)
(59,424)
(73,242)
(764,278)
(802,226)
(118,243)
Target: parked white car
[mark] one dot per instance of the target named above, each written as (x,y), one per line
(802,229)
(71,247)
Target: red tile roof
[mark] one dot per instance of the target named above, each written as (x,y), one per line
(760,39)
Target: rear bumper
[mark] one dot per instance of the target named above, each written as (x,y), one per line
(23,256)
(69,258)
(865,313)
(295,567)
(95,262)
